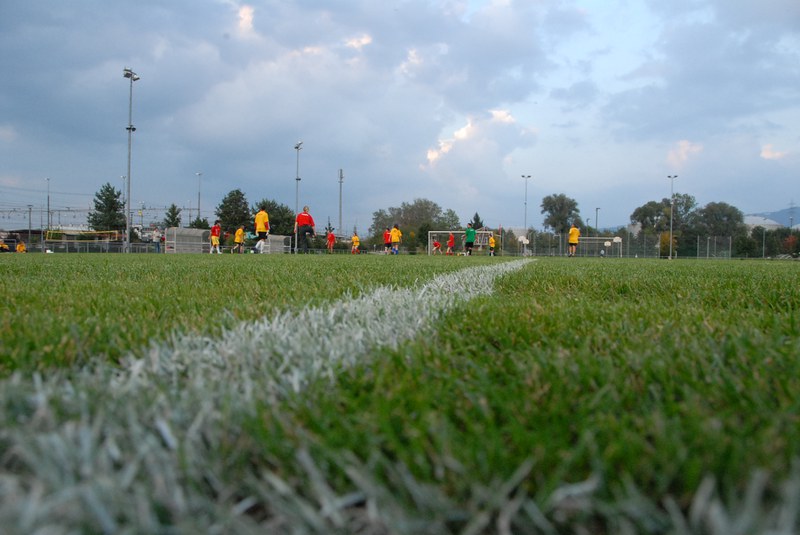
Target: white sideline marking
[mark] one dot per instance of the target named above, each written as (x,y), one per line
(283,353)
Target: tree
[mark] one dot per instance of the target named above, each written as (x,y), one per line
(651,216)
(411,216)
(173,216)
(281,217)
(561,211)
(233,211)
(109,210)
(200,223)
(448,221)
(477,222)
(719,219)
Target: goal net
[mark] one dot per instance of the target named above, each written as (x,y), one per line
(441,236)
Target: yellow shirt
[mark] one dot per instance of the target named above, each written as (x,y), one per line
(574,234)
(239,236)
(491,241)
(396,235)
(356,241)
(262,221)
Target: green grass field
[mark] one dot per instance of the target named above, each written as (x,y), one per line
(341,394)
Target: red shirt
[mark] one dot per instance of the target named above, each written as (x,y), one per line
(436,245)
(451,241)
(304,219)
(215,230)
(331,238)
(387,237)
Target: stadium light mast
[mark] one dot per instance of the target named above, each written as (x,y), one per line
(133,77)
(199,177)
(671,208)
(341,180)
(596,228)
(525,220)
(48,202)
(297,146)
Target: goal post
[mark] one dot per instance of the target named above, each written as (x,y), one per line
(481,240)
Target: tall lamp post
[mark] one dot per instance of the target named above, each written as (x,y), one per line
(525,221)
(48,202)
(199,177)
(341,180)
(596,228)
(132,76)
(671,208)
(297,147)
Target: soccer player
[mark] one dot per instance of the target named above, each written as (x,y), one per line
(574,234)
(437,247)
(451,244)
(303,226)
(387,241)
(238,240)
(330,239)
(469,237)
(262,228)
(491,245)
(216,231)
(356,242)
(397,238)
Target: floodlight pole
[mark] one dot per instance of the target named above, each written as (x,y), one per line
(298,146)
(132,76)
(671,208)
(341,181)
(596,228)
(525,224)
(199,177)
(30,208)
(48,202)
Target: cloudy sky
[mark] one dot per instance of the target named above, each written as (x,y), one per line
(448,100)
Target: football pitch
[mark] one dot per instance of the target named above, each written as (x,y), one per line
(398,394)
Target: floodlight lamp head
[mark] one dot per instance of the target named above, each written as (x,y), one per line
(127,73)
(298,145)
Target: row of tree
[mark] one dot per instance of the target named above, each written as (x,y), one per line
(688,221)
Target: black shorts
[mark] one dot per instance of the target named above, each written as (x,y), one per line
(262,235)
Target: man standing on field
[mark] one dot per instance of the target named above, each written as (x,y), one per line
(303,226)
(574,234)
(469,239)
(216,231)
(262,227)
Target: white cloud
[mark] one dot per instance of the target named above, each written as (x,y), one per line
(358,42)
(246,15)
(681,152)
(768,152)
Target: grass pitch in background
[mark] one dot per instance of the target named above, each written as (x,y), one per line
(62,310)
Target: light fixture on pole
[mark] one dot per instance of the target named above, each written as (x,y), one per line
(297,147)
(671,208)
(199,176)
(132,76)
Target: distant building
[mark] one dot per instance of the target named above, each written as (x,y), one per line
(753,221)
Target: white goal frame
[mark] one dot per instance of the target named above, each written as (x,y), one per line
(481,240)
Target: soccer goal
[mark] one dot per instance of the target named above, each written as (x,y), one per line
(76,241)
(481,240)
(600,246)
